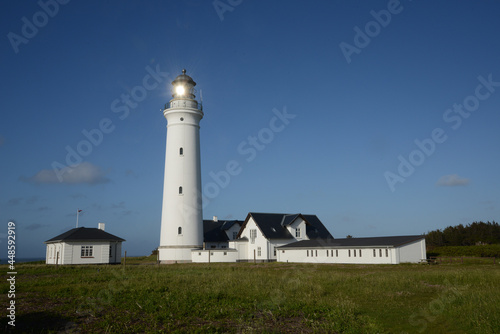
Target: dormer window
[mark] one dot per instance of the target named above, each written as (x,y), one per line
(297,233)
(181,151)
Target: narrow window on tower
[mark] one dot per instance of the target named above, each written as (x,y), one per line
(179,230)
(180,190)
(181,151)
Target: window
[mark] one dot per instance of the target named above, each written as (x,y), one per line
(380,252)
(225,253)
(274,251)
(354,253)
(179,230)
(199,253)
(386,252)
(181,151)
(180,190)
(374,253)
(316,252)
(360,253)
(235,235)
(223,247)
(212,246)
(327,253)
(349,253)
(259,251)
(87,251)
(253,235)
(110,251)
(337,253)
(297,232)
(308,253)
(282,251)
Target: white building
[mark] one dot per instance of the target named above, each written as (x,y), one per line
(182,218)
(387,250)
(266,237)
(84,245)
(262,233)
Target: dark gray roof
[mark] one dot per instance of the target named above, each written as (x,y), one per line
(316,229)
(273,225)
(85,233)
(215,231)
(355,242)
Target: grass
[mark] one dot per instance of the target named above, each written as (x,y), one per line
(261,298)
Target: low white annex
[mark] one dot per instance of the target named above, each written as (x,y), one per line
(267,237)
(387,250)
(84,245)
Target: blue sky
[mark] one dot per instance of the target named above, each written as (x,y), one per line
(364,96)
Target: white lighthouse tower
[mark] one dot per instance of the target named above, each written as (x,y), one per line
(182,217)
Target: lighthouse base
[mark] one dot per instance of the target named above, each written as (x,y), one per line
(176,254)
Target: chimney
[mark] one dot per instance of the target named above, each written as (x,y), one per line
(101,226)
(215,219)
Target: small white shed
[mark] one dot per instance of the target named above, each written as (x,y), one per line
(84,245)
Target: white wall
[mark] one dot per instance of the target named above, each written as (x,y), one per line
(413,252)
(214,255)
(70,253)
(300,224)
(260,241)
(324,255)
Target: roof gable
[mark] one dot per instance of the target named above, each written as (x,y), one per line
(85,234)
(274,225)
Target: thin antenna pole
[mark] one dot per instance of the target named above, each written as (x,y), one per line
(77,212)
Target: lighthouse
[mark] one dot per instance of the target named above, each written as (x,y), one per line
(182,217)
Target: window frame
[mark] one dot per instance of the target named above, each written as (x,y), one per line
(87,251)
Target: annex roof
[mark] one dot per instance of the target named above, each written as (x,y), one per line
(393,241)
(85,233)
(214,231)
(273,225)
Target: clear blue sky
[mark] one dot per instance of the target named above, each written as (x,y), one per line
(358,93)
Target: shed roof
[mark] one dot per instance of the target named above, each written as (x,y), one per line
(85,233)
(393,241)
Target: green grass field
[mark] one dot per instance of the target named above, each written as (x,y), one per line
(256,298)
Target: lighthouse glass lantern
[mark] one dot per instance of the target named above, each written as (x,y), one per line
(183,87)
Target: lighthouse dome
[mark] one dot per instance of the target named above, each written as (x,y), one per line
(183,86)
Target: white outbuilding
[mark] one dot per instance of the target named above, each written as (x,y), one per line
(84,245)
(377,250)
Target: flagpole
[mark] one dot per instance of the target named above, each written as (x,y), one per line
(77,211)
